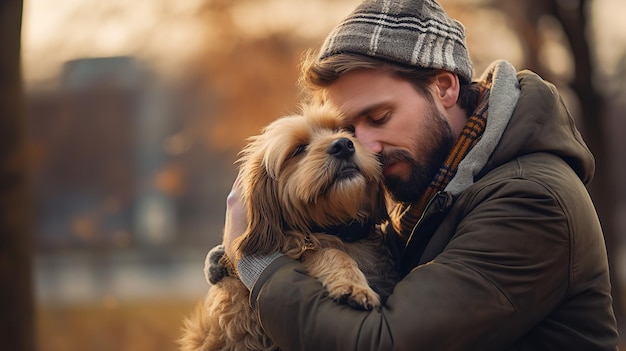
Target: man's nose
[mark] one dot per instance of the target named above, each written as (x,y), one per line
(368,138)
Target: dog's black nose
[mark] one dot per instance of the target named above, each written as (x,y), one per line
(342,148)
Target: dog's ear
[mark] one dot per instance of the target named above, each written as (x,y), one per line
(264,234)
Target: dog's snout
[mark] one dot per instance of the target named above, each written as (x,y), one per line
(342,148)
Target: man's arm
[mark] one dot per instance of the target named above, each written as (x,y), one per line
(504,270)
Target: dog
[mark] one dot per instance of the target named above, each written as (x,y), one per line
(313,193)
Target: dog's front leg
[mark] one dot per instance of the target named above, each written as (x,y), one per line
(341,276)
(214,265)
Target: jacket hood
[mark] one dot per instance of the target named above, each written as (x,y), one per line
(542,123)
(525,115)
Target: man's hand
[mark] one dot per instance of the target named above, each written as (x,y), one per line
(234,225)
(236,221)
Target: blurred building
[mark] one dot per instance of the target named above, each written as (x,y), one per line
(101,175)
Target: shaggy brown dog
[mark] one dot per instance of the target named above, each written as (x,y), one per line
(312,192)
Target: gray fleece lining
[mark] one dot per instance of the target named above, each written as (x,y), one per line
(505,92)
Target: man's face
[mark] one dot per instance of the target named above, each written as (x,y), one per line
(406,129)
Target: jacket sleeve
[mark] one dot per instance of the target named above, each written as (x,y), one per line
(504,270)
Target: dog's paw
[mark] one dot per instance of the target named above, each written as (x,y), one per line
(214,270)
(361,297)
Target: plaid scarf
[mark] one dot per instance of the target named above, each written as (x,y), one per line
(404,217)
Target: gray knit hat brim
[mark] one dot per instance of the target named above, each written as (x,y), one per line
(414,33)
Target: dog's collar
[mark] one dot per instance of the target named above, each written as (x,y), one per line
(352,231)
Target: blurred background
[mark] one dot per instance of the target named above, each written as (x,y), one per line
(116,162)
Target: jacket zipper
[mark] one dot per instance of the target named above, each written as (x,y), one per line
(417,242)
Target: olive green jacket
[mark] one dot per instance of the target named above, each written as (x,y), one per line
(514,257)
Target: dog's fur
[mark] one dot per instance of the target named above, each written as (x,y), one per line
(301,176)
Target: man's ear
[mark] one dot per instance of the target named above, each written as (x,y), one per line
(447,88)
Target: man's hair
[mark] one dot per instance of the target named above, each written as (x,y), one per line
(317,75)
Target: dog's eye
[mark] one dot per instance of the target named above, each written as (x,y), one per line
(299,149)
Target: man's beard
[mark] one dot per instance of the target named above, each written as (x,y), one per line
(435,146)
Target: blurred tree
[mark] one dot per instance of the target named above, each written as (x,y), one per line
(573,18)
(16,303)
(251,77)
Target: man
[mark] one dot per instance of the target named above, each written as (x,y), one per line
(498,241)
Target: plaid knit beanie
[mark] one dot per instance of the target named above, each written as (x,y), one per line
(408,32)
